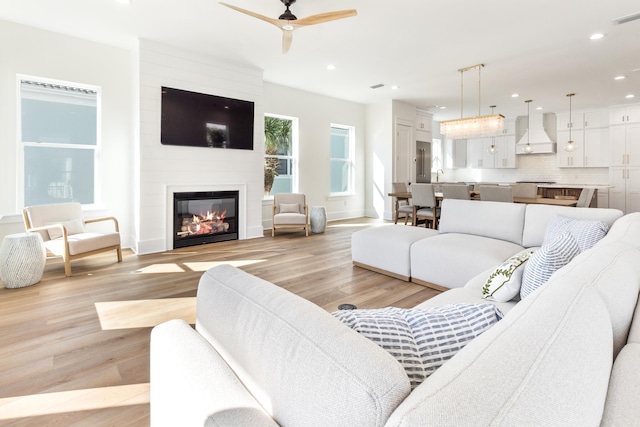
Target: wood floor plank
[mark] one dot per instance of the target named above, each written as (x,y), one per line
(74,351)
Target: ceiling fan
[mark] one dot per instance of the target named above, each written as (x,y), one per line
(288,22)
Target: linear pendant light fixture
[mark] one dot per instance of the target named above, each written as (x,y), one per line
(472,127)
(570,146)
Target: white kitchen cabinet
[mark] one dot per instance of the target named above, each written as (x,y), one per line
(509,127)
(575,158)
(423,126)
(455,154)
(590,134)
(505,158)
(478,156)
(603,198)
(624,114)
(625,191)
(624,143)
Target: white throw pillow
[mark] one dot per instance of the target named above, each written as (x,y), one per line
(422,339)
(504,281)
(74,226)
(547,260)
(289,207)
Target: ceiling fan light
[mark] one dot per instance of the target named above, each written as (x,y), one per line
(288,27)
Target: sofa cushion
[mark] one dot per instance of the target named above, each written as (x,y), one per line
(422,339)
(452,259)
(386,248)
(621,408)
(502,221)
(504,282)
(537,217)
(547,260)
(281,346)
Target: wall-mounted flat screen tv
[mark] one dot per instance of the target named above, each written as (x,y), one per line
(200,120)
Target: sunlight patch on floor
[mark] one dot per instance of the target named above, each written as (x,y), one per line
(359,224)
(145,313)
(72,401)
(204,266)
(161,268)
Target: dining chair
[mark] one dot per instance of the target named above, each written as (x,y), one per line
(455,191)
(525,189)
(425,205)
(496,193)
(584,201)
(403,209)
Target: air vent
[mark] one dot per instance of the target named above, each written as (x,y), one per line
(379,85)
(628,18)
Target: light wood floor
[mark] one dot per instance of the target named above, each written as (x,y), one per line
(75,351)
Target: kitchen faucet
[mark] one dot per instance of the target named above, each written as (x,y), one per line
(438,172)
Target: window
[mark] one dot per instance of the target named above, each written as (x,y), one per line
(280,134)
(59,125)
(341,159)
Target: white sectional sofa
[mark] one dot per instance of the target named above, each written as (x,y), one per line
(566,355)
(473,236)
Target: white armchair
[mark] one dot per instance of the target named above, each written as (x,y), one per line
(63,230)
(290,210)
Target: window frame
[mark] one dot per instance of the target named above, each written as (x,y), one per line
(350,161)
(294,153)
(97,148)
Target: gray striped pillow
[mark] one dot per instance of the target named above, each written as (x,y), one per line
(422,339)
(551,257)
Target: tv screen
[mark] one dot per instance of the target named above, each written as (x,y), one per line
(201,120)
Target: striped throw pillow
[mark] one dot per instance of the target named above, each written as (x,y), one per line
(551,257)
(422,340)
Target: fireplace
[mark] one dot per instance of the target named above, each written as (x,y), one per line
(204,217)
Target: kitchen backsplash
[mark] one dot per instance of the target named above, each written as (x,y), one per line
(535,167)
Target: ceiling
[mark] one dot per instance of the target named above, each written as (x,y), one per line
(539,49)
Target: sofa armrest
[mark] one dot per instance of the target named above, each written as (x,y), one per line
(192,385)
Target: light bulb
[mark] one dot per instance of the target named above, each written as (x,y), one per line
(528,148)
(570,146)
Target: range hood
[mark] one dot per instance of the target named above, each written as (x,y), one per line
(537,136)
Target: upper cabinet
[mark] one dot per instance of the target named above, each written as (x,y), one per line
(424,121)
(590,134)
(624,114)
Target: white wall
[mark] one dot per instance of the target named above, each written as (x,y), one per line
(163,166)
(30,51)
(315,115)
(379,158)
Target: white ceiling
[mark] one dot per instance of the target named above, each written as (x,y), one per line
(538,48)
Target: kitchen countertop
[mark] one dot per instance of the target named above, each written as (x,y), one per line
(560,185)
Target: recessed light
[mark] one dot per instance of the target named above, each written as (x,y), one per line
(124,1)
(620,77)
(443,108)
(630,96)
(539,108)
(515,95)
(395,87)
(331,67)
(596,36)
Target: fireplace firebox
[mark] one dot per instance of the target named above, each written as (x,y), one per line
(204,217)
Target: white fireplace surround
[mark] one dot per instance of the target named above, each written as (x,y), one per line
(242,206)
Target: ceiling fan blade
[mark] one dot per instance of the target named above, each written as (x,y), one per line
(275,22)
(326,17)
(287,38)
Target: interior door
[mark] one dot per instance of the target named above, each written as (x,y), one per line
(403,154)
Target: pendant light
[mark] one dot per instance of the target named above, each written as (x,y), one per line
(492,149)
(528,149)
(570,146)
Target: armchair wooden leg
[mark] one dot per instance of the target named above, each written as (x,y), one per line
(67,267)
(119,250)
(273,231)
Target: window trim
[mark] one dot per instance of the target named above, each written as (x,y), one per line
(294,152)
(350,162)
(97,149)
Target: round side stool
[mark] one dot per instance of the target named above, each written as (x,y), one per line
(318,219)
(22,259)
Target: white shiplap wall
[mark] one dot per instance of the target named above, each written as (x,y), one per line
(164,167)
